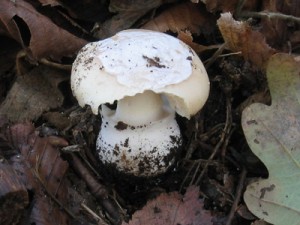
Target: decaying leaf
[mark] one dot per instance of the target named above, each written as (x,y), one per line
(41,169)
(13,194)
(272,133)
(134,5)
(228,6)
(239,36)
(276,30)
(50,2)
(187,38)
(181,17)
(173,208)
(32,94)
(129,12)
(35,32)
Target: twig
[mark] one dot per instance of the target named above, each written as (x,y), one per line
(212,59)
(99,191)
(97,218)
(228,123)
(237,196)
(225,132)
(187,175)
(73,22)
(230,54)
(55,65)
(19,67)
(270,15)
(239,7)
(211,157)
(194,176)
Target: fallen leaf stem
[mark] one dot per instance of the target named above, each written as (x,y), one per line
(239,191)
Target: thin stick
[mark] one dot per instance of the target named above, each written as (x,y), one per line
(187,175)
(96,217)
(225,132)
(239,7)
(214,57)
(237,196)
(56,65)
(270,15)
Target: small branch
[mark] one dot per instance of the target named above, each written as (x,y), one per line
(55,65)
(237,196)
(91,212)
(225,132)
(270,15)
(239,7)
(214,57)
(99,191)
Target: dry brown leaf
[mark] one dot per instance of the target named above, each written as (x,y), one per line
(187,38)
(35,32)
(277,31)
(50,2)
(121,21)
(42,170)
(239,36)
(129,11)
(134,5)
(32,94)
(228,6)
(181,17)
(13,194)
(173,208)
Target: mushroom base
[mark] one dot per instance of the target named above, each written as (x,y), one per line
(144,151)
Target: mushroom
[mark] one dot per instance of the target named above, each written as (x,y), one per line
(151,75)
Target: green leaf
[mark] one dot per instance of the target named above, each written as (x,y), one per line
(273,134)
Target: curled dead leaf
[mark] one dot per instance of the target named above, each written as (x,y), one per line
(239,36)
(187,38)
(181,17)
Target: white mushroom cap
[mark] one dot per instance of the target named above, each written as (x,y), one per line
(134,61)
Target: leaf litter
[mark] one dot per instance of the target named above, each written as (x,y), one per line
(215,157)
(173,208)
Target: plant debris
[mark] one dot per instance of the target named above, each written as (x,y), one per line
(173,208)
(50,170)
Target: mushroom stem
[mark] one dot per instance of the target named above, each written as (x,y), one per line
(140,109)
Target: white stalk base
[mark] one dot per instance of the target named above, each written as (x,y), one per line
(140,150)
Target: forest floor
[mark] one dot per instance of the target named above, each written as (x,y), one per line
(49,170)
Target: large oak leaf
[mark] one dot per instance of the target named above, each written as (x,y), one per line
(272,133)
